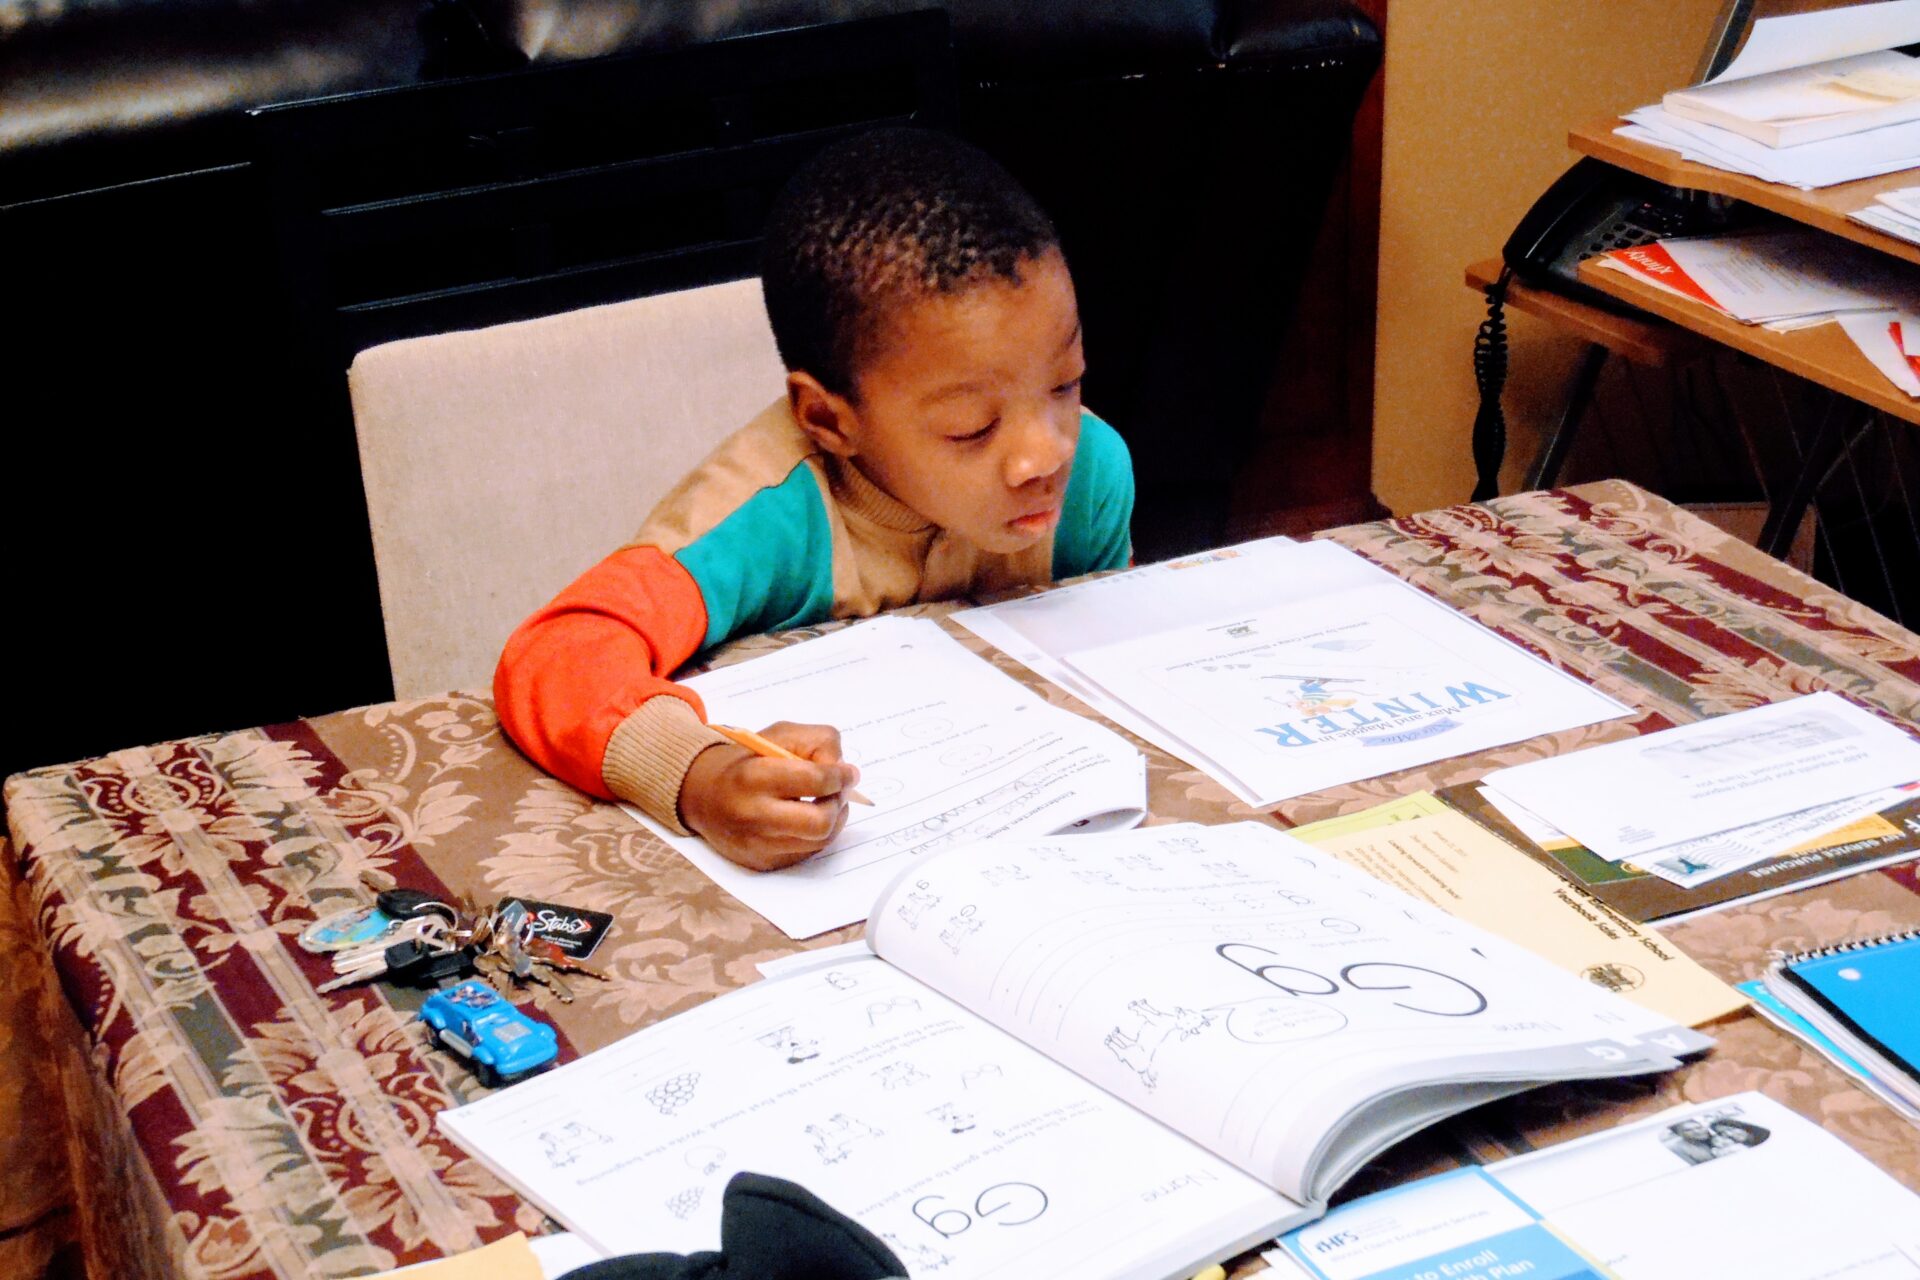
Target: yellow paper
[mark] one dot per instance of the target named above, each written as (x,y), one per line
(1884,83)
(509,1259)
(1439,855)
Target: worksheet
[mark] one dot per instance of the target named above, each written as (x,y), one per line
(1358,676)
(1738,1186)
(1627,800)
(949,750)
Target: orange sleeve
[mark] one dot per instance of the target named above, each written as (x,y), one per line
(578,668)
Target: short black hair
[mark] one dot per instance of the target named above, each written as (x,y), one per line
(887,215)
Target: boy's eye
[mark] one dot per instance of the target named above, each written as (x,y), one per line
(1069,387)
(981,434)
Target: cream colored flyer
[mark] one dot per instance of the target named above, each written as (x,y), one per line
(1421,847)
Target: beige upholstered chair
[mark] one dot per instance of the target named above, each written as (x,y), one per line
(500,463)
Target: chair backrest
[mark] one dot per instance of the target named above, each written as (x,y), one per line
(502,462)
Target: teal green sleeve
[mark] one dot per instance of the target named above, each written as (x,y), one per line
(1094,531)
(768,565)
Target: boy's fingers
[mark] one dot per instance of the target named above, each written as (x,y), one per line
(817,742)
(809,822)
(764,857)
(797,779)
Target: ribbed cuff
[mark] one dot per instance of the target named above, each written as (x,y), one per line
(649,754)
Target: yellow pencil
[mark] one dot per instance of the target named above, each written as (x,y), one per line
(772,750)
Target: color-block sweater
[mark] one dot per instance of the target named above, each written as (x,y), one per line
(767,532)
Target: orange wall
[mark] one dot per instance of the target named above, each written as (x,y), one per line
(1479,97)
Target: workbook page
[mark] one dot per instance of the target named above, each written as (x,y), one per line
(949,750)
(1248,991)
(962,1149)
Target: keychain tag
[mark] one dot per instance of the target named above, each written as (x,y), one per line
(343,929)
(575,930)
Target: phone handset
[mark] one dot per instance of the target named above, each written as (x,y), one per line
(1590,209)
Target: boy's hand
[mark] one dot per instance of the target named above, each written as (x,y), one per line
(766,814)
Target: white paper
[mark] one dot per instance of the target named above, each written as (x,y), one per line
(1038,630)
(1691,863)
(1626,799)
(1904,201)
(1894,223)
(1875,341)
(1357,675)
(965,1152)
(1695,862)
(1802,106)
(1679,1196)
(949,750)
(1801,93)
(562,1252)
(1816,164)
(819,957)
(1798,40)
(1312,588)
(1792,272)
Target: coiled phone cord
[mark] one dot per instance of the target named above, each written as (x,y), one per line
(1490,375)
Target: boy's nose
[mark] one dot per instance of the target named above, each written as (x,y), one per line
(1041,447)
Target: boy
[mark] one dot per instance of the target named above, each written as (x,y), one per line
(930,445)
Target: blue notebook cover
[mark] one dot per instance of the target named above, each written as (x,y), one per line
(1873,989)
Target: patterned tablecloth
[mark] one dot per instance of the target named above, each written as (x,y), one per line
(226,1121)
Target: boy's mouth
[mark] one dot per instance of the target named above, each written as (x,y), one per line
(1035,522)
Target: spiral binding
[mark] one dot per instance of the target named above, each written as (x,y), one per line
(1781,959)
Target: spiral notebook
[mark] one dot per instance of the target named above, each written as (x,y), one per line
(1865,996)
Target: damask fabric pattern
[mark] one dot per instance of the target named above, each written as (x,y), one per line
(229,1122)
(36,1191)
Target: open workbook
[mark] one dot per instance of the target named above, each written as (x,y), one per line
(1114,1055)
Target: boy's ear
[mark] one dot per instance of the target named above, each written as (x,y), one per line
(828,419)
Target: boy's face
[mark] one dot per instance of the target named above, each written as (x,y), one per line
(969,409)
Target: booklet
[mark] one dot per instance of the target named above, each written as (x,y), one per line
(1118,1055)
(949,750)
(1769,1006)
(1739,1186)
(1865,997)
(1298,668)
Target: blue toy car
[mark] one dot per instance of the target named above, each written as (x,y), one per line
(482,1026)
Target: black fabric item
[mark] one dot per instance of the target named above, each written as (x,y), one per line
(994,40)
(1281,29)
(770,1229)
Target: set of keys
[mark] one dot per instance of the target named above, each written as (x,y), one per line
(513,952)
(416,939)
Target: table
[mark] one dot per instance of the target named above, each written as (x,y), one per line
(231,1123)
